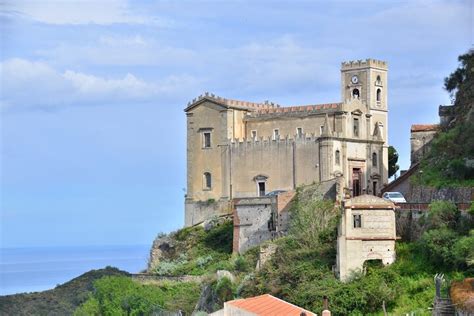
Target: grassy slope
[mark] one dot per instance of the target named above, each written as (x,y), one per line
(62,300)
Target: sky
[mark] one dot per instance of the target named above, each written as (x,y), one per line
(92,95)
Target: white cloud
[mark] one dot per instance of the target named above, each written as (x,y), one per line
(78,12)
(119,50)
(30,84)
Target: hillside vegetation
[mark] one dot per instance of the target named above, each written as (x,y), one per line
(300,271)
(451,159)
(119,295)
(62,300)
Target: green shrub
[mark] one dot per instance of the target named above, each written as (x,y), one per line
(442,214)
(314,222)
(202,261)
(224,290)
(123,296)
(171,267)
(463,250)
(438,244)
(240,264)
(219,238)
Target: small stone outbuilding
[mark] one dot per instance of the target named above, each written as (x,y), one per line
(259,219)
(366,232)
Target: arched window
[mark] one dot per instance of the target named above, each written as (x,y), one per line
(337,157)
(374,159)
(355,93)
(207,181)
(378,79)
(379,95)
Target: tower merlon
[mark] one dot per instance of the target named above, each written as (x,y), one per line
(356,64)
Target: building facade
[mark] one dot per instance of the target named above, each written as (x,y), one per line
(239,149)
(367,231)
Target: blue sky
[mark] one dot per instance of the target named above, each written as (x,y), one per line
(92,95)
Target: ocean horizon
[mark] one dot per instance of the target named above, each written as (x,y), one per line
(33,269)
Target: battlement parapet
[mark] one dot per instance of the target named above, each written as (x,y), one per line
(288,139)
(234,103)
(296,110)
(355,64)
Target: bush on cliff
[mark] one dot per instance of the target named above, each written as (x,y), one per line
(198,252)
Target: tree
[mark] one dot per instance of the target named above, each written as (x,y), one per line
(460,84)
(392,161)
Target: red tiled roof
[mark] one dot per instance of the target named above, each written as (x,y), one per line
(424,127)
(267,304)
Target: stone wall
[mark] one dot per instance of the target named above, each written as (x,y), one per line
(198,212)
(422,194)
(253,222)
(408,215)
(283,208)
(146,278)
(419,141)
(260,219)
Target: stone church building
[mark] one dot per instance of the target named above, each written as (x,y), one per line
(238,149)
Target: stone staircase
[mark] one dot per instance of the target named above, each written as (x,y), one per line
(443,307)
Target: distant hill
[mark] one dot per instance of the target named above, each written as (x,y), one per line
(62,300)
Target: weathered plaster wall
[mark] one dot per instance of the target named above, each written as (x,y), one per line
(253,222)
(419,142)
(287,125)
(197,212)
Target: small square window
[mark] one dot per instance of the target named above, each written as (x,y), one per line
(206,143)
(254,134)
(299,132)
(276,134)
(357,220)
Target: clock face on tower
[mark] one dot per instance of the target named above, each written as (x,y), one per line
(354,79)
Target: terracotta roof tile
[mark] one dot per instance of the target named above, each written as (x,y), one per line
(424,127)
(268,305)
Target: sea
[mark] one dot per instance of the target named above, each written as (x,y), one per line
(38,269)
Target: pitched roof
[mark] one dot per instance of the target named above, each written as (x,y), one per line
(401,178)
(424,127)
(267,304)
(366,200)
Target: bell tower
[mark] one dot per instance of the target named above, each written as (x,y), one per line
(367,81)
